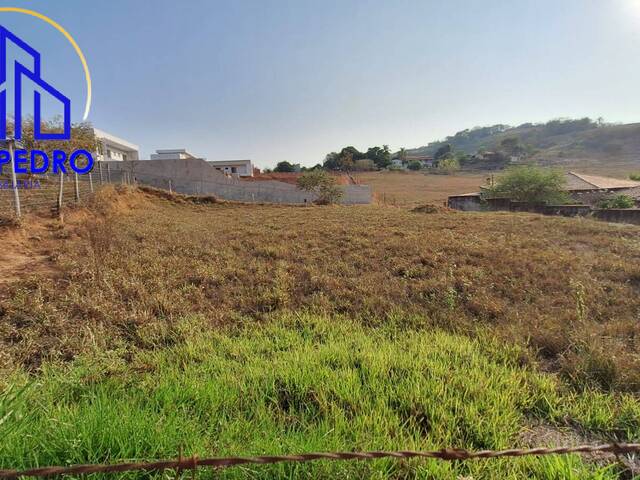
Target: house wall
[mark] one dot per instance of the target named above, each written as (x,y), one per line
(467,203)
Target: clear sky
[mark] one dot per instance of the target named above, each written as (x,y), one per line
(294,80)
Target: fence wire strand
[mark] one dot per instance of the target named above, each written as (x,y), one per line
(194,462)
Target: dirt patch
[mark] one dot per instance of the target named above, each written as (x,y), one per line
(543,435)
(431,208)
(27,249)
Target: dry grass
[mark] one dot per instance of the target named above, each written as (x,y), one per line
(566,287)
(411,188)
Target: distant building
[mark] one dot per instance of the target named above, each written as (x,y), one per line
(115,148)
(582,188)
(425,161)
(242,168)
(172,154)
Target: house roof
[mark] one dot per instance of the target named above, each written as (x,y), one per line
(580,181)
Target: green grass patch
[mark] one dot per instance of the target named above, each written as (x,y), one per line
(300,384)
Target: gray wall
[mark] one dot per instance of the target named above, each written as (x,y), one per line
(197,177)
(619,215)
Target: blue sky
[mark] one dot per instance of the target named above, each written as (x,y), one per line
(294,80)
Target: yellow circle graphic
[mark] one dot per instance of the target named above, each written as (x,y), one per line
(68,36)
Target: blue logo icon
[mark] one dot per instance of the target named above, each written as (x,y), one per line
(22,72)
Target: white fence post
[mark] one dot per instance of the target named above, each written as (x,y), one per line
(60,194)
(77,187)
(14,182)
(90,182)
(100,170)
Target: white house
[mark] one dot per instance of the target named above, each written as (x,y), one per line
(172,154)
(115,148)
(242,168)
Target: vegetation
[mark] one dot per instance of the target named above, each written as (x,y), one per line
(322,184)
(284,167)
(299,329)
(530,184)
(635,176)
(303,383)
(349,156)
(619,201)
(478,138)
(414,165)
(571,143)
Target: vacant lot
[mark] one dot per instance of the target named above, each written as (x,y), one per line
(160,324)
(412,188)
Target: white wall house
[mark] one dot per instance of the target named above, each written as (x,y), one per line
(115,148)
(242,168)
(172,154)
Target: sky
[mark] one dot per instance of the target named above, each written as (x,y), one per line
(294,80)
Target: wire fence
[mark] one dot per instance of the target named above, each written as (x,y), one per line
(51,193)
(192,463)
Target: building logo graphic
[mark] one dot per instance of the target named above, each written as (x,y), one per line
(21,72)
(27,74)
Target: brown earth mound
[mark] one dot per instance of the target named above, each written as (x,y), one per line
(431,208)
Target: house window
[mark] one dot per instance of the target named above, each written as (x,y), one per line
(124,156)
(234,170)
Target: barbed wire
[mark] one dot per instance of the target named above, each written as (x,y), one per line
(192,463)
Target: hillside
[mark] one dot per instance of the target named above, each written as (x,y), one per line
(151,326)
(600,147)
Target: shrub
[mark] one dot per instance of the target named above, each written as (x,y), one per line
(448,164)
(322,184)
(531,184)
(285,167)
(414,165)
(635,176)
(619,201)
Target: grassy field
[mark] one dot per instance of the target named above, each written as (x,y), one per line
(163,324)
(408,188)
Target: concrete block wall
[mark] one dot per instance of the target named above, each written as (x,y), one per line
(197,177)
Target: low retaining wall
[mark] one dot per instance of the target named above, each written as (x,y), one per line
(197,177)
(618,215)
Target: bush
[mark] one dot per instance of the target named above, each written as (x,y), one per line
(448,164)
(322,184)
(284,167)
(414,165)
(532,185)
(635,176)
(619,201)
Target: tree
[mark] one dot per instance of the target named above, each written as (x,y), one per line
(322,184)
(414,165)
(531,184)
(284,167)
(402,154)
(448,164)
(619,201)
(82,137)
(511,146)
(381,156)
(442,152)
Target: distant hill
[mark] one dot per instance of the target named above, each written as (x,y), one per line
(590,145)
